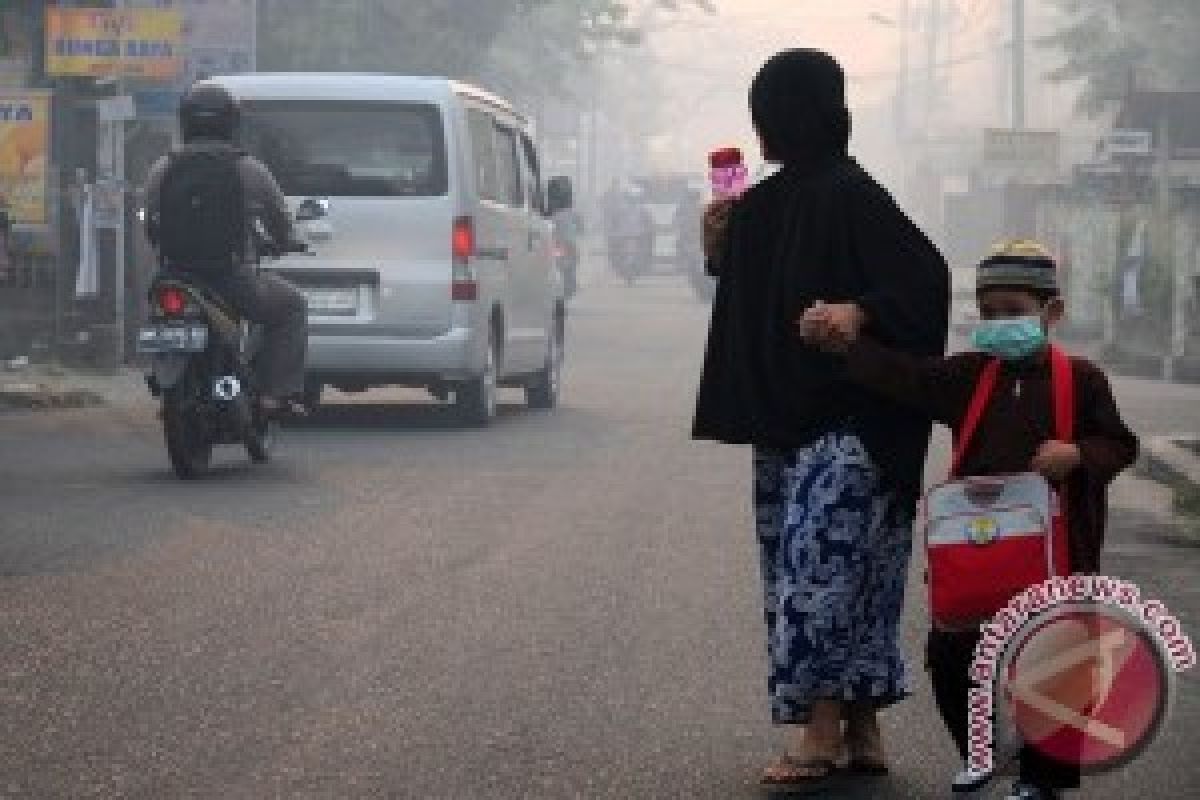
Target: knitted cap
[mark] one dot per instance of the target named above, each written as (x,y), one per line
(1018,264)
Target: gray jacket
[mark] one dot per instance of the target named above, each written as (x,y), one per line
(264,199)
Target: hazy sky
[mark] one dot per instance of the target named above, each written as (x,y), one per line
(710,62)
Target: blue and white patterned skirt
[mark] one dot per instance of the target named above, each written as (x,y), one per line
(835,548)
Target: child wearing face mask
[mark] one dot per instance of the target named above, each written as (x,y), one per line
(1019,304)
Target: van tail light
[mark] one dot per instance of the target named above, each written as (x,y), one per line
(172,301)
(464,287)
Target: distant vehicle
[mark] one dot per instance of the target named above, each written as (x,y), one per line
(674,202)
(630,239)
(424,204)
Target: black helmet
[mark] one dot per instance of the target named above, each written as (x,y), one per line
(208,111)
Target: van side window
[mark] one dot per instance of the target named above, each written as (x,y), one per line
(487,179)
(508,167)
(533,176)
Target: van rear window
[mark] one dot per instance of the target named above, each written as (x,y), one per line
(348,149)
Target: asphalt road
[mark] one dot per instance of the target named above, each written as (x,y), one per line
(565,605)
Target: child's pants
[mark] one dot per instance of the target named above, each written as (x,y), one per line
(949,657)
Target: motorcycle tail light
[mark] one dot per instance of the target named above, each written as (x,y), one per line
(172,300)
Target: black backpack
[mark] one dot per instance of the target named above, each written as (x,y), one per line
(202,222)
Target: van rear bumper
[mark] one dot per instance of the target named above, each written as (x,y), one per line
(454,355)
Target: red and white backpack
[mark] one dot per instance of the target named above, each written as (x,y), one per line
(989,538)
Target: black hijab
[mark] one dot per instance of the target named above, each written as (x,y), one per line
(819,229)
(798,105)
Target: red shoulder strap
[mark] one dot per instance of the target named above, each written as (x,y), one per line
(1063,383)
(979,402)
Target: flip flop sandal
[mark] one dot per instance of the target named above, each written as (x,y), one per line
(820,769)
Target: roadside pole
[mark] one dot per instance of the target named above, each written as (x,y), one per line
(117,178)
(1111,306)
(119,188)
(1018,64)
(1177,339)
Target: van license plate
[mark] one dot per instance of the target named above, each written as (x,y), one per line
(332,301)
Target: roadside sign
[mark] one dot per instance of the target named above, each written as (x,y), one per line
(1129,143)
(1022,148)
(120,43)
(24,154)
(116,109)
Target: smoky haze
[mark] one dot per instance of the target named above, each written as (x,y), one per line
(483,552)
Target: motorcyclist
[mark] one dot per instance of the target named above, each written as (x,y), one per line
(208,120)
(568,230)
(630,231)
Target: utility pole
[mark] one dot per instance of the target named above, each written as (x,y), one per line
(933,36)
(902,91)
(1018,64)
(1171,255)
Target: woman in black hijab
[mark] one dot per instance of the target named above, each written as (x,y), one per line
(837,469)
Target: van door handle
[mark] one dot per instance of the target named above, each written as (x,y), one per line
(492,253)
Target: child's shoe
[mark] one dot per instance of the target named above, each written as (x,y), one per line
(969,780)
(1027,791)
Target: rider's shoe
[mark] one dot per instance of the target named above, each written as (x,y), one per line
(279,408)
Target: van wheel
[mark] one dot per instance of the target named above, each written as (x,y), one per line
(545,388)
(476,400)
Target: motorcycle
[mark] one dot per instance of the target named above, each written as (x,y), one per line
(631,239)
(203,367)
(629,257)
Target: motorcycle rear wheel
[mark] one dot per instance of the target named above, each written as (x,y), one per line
(189,446)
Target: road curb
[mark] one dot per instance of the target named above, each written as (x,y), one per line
(1173,458)
(44,397)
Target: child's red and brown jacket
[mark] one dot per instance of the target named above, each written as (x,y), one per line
(1017,421)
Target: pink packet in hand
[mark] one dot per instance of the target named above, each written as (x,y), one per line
(727,173)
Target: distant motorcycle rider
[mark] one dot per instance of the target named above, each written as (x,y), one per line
(221,254)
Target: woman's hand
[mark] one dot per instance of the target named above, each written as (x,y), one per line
(1055,460)
(716,226)
(832,326)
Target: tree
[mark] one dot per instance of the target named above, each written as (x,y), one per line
(455,38)
(1104,42)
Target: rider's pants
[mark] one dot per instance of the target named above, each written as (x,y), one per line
(279,308)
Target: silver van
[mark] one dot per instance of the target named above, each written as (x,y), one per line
(424,205)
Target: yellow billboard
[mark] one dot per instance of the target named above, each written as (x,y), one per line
(24,154)
(98,42)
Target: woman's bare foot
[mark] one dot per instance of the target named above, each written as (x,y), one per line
(813,749)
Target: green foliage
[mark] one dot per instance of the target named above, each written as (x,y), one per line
(512,42)
(1105,42)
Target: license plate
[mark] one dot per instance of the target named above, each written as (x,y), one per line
(191,338)
(332,301)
